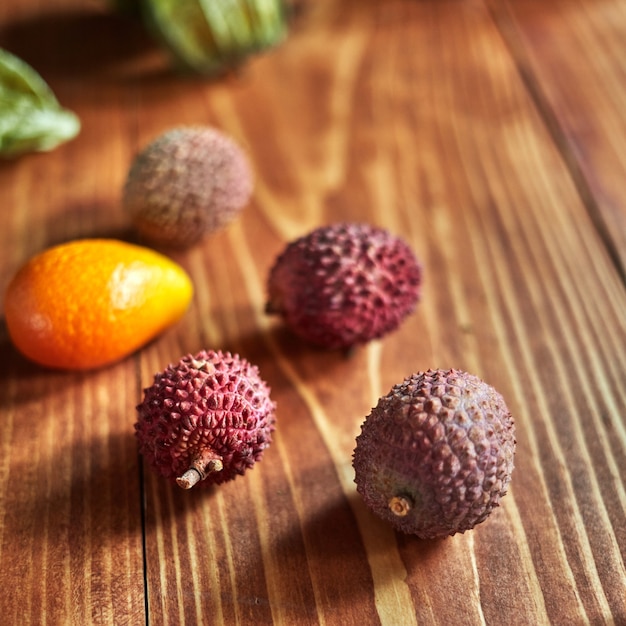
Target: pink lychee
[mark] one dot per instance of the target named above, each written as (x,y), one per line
(206,419)
(188,182)
(435,456)
(344,284)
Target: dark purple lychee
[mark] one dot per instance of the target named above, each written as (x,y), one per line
(188,182)
(206,419)
(435,455)
(344,284)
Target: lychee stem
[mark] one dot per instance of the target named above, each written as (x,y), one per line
(400,505)
(198,471)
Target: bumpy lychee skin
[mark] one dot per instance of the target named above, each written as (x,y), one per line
(187,183)
(206,419)
(344,284)
(435,455)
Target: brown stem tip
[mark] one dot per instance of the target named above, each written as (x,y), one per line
(400,505)
(196,473)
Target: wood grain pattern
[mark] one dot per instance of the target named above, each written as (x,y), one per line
(568,52)
(478,132)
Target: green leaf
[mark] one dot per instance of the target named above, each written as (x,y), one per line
(31,118)
(210,36)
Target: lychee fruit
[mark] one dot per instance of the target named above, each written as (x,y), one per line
(344,284)
(435,456)
(188,182)
(206,419)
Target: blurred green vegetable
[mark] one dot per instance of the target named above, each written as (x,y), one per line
(31,118)
(211,36)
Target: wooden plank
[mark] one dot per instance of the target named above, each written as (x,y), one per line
(70,535)
(70,514)
(572,53)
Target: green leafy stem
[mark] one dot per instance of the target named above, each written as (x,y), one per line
(31,118)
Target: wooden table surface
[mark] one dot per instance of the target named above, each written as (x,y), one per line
(490,134)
